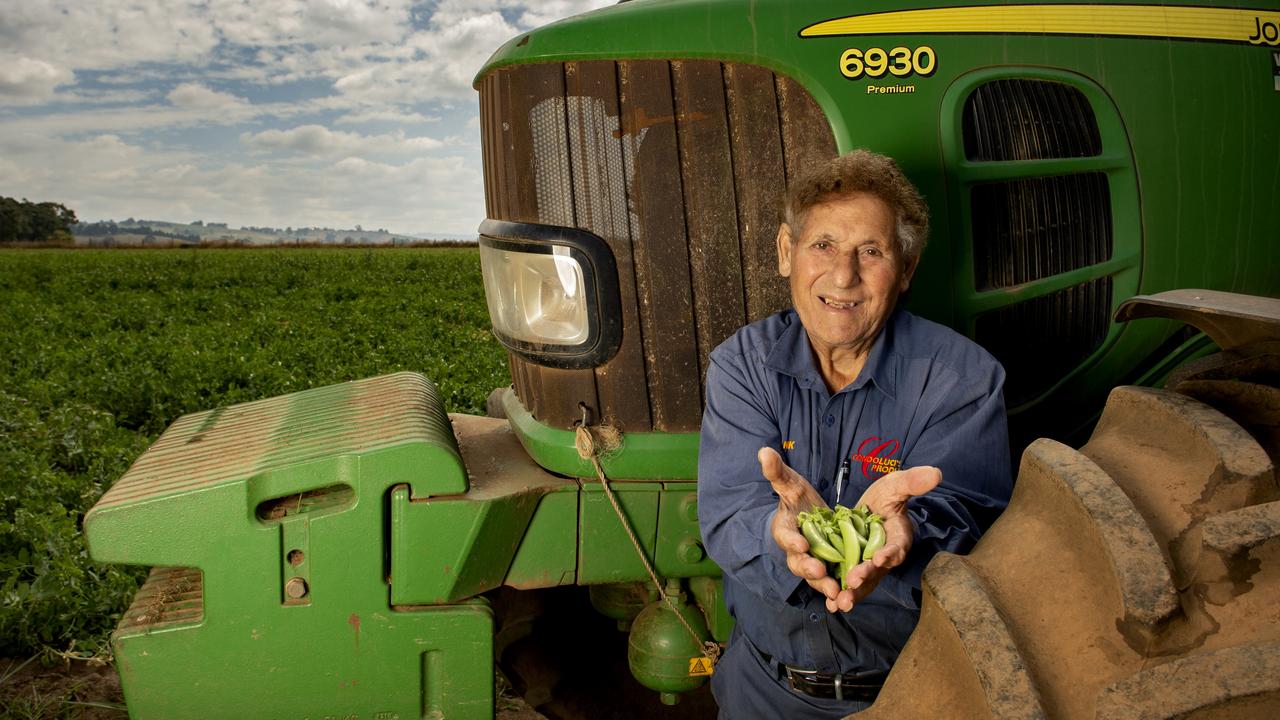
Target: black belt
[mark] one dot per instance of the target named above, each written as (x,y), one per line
(839,686)
(863,686)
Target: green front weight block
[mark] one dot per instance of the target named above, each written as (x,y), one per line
(271,598)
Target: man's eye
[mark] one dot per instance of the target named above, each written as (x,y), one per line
(873,251)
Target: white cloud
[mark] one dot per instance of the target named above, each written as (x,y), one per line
(387,115)
(321,141)
(106,82)
(315,22)
(25,80)
(194,96)
(108,33)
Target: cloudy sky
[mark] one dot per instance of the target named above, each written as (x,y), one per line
(254,112)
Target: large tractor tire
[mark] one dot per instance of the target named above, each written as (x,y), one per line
(1136,577)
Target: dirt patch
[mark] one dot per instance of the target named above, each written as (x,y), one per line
(79,690)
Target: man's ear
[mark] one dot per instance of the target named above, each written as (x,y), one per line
(908,270)
(784,250)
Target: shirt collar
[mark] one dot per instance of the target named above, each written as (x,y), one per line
(793,355)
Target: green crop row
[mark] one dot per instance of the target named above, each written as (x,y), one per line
(101,350)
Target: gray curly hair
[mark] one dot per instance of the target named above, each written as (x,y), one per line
(862,171)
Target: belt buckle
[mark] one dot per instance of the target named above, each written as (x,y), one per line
(812,676)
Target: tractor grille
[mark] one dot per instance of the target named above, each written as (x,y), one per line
(1019,119)
(1028,229)
(678,165)
(1041,340)
(1025,230)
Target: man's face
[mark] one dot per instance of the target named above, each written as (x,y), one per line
(846,271)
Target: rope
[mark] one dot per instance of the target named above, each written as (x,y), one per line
(585,443)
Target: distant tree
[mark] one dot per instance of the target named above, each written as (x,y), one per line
(25,221)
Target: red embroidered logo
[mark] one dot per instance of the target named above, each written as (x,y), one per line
(874,454)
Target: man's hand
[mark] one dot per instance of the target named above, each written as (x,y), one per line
(796,495)
(886,497)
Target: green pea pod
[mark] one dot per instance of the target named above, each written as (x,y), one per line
(858,524)
(833,536)
(875,541)
(852,548)
(818,545)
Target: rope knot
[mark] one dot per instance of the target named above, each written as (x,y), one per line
(583,442)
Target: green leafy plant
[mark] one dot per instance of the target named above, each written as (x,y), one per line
(101,350)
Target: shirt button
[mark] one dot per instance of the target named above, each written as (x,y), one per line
(831,420)
(813,617)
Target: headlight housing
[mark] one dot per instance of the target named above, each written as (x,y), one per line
(552,293)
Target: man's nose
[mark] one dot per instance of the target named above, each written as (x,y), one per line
(846,270)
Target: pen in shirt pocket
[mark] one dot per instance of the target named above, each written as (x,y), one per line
(841,475)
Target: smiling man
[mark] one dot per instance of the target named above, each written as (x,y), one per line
(845,397)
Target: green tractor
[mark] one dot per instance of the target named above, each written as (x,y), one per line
(356,552)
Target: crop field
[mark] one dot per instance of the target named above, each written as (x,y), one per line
(101,350)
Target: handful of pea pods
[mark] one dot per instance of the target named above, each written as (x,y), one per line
(842,537)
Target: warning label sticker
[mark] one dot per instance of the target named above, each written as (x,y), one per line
(700,667)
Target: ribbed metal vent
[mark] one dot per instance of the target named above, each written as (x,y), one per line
(1029,229)
(1020,119)
(1039,341)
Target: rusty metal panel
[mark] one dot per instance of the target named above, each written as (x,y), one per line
(660,245)
(678,166)
(536,122)
(596,149)
(758,175)
(715,263)
(498,166)
(807,140)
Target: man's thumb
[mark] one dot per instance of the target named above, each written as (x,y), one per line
(918,480)
(773,468)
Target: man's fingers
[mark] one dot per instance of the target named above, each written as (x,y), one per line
(889,556)
(789,539)
(806,567)
(829,588)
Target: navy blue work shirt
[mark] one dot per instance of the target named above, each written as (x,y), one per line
(926,396)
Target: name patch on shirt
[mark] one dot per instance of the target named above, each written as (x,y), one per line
(874,456)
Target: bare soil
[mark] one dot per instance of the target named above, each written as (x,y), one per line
(72,689)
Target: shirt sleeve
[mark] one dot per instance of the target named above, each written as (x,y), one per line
(965,436)
(736,503)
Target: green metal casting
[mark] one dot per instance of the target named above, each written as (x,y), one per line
(279,504)
(643,455)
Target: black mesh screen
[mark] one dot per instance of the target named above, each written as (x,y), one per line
(1029,229)
(1041,340)
(1020,119)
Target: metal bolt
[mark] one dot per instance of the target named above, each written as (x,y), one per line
(296,588)
(689,507)
(690,551)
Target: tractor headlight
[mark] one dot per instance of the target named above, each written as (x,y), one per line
(552,293)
